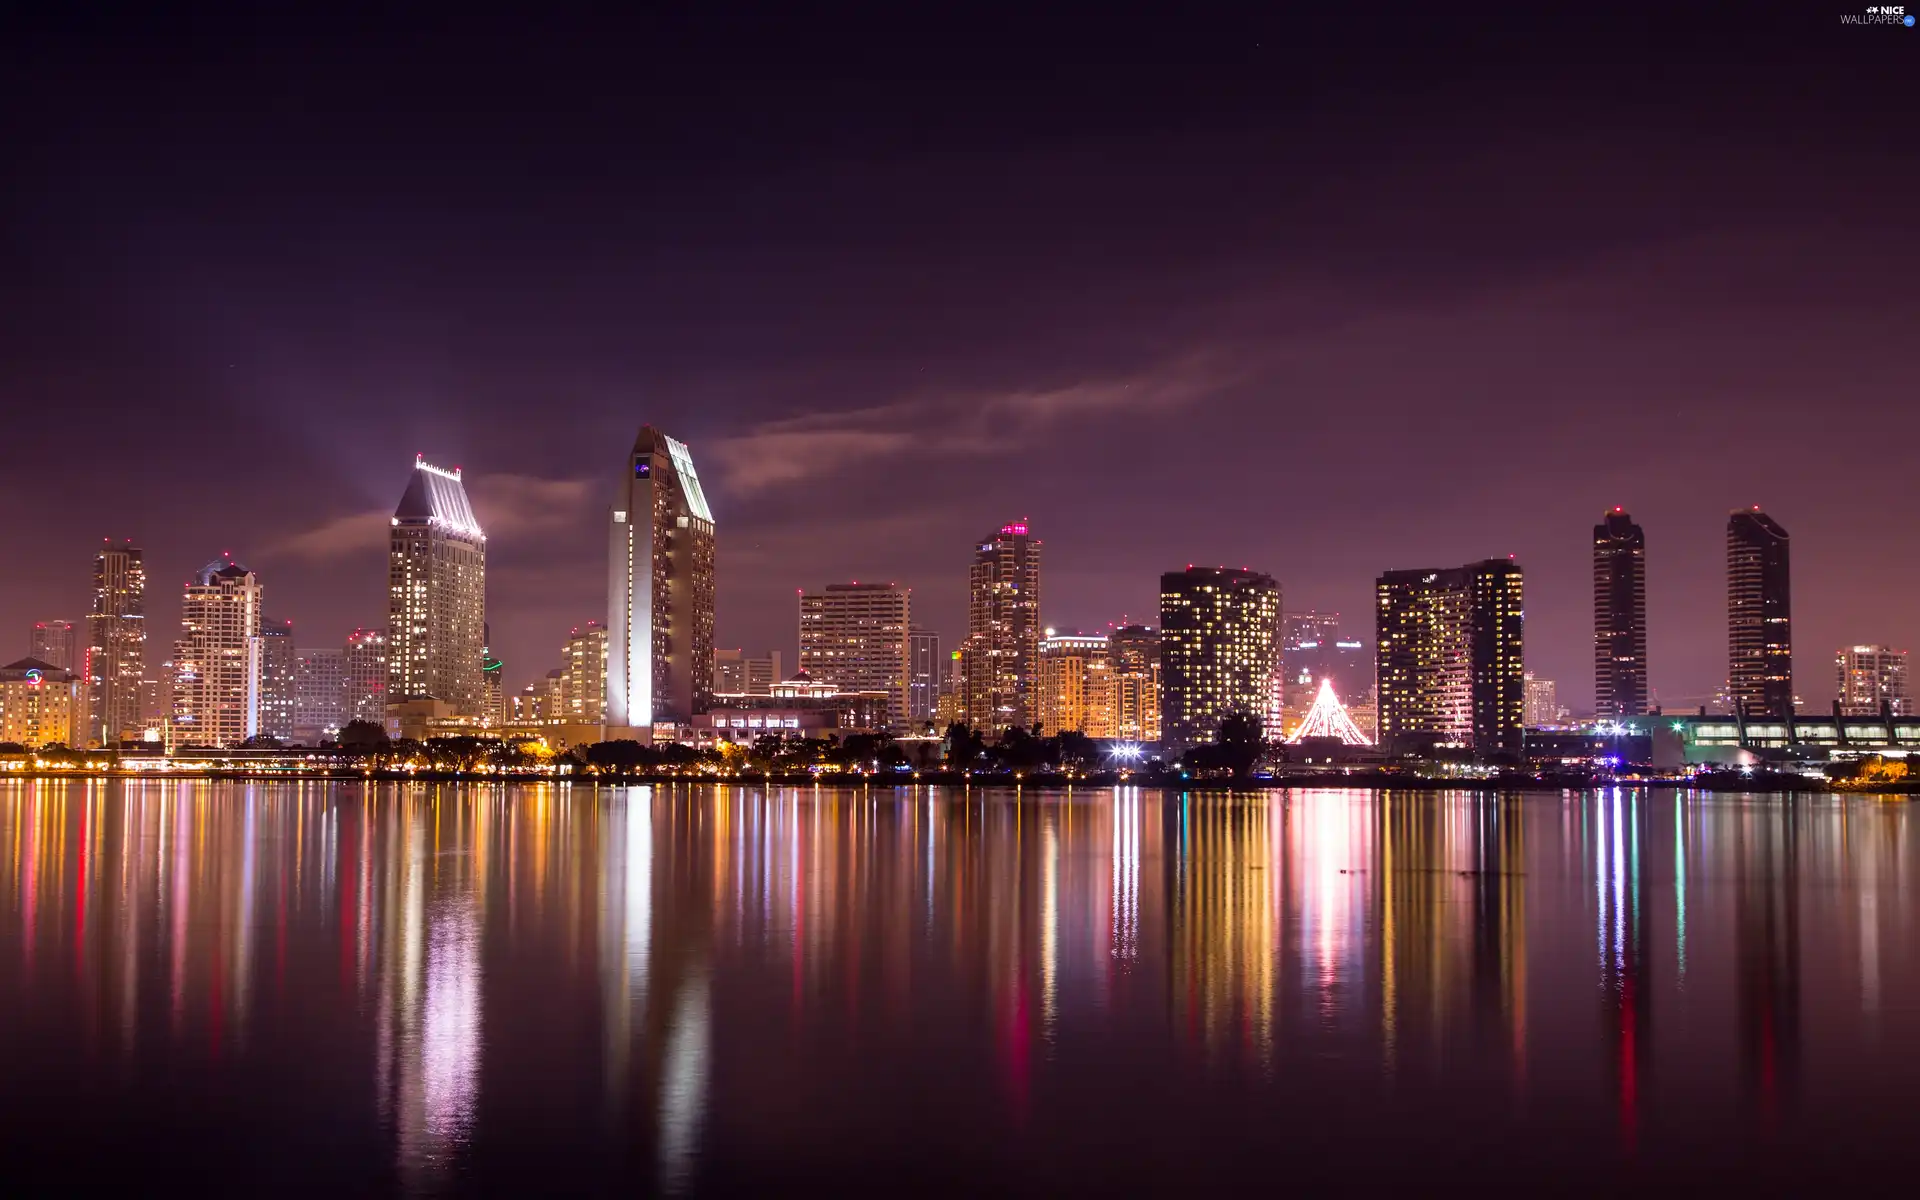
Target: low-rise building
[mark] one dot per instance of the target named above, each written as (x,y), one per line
(39,704)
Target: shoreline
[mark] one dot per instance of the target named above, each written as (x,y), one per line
(1716,783)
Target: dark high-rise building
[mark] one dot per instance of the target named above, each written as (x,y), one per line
(320,694)
(1619,617)
(660,588)
(279,668)
(1450,658)
(116,645)
(1001,656)
(926,674)
(437,598)
(1219,651)
(53,643)
(1759,616)
(493,674)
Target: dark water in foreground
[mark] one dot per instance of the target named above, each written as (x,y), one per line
(365,990)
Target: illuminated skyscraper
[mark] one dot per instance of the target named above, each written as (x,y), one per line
(1619,617)
(1541,707)
(854,636)
(116,644)
(1002,651)
(1759,616)
(54,643)
(437,595)
(926,674)
(216,662)
(583,688)
(367,675)
(279,665)
(1868,677)
(1219,651)
(1075,693)
(1450,658)
(320,694)
(1133,654)
(660,588)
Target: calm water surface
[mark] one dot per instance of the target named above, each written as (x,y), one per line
(561,990)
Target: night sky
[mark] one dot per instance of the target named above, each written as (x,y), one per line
(1313,294)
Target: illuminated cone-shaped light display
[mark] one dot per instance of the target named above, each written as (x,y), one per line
(1328,719)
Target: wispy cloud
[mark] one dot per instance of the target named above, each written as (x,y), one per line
(792,450)
(518,506)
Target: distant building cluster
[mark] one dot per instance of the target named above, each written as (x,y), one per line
(1446,671)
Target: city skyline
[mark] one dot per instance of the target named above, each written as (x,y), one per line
(1236,277)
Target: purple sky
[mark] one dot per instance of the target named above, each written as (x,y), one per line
(1317,298)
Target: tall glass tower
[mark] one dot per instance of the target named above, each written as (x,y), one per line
(660,589)
(437,595)
(116,644)
(1219,651)
(1619,617)
(1759,616)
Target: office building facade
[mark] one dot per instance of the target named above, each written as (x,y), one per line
(367,676)
(854,636)
(1870,680)
(217,661)
(40,704)
(1075,685)
(583,688)
(116,656)
(926,675)
(279,667)
(1619,617)
(1759,616)
(660,588)
(55,643)
(1541,707)
(319,694)
(437,595)
(1449,658)
(1219,652)
(1002,651)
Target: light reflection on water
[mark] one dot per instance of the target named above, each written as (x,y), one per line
(422,989)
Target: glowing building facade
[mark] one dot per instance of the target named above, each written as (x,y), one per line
(583,688)
(1619,617)
(116,644)
(40,704)
(660,589)
(1449,658)
(1075,686)
(216,662)
(437,596)
(1759,616)
(1002,650)
(1872,679)
(1133,655)
(1219,651)
(855,636)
